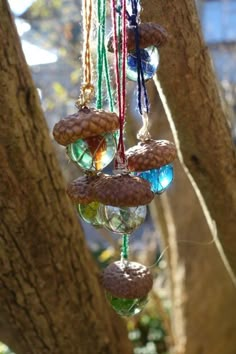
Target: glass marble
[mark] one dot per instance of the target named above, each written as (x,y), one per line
(95,153)
(89,213)
(160,178)
(149,63)
(122,220)
(127,307)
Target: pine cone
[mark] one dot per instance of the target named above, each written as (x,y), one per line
(84,124)
(150,154)
(123,191)
(150,34)
(81,190)
(129,280)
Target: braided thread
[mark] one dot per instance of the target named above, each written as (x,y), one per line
(87,89)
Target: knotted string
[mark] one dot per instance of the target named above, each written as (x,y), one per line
(120,161)
(102,62)
(143,134)
(87,89)
(133,22)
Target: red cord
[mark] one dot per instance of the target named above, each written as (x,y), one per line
(121,85)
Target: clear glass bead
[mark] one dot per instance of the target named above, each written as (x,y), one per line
(89,213)
(93,154)
(160,178)
(122,220)
(127,307)
(149,63)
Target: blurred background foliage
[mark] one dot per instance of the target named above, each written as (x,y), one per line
(51,35)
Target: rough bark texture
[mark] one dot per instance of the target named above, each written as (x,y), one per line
(51,301)
(198,120)
(203,295)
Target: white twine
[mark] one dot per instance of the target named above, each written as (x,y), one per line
(143,133)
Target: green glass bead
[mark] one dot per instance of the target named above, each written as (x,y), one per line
(122,220)
(127,307)
(89,213)
(94,153)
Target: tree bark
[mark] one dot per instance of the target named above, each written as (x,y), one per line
(51,300)
(203,316)
(197,117)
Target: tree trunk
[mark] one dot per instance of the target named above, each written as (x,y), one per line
(197,118)
(203,316)
(51,301)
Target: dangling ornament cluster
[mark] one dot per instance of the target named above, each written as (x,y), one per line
(94,137)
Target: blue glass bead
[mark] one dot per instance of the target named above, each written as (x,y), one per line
(149,63)
(95,153)
(160,178)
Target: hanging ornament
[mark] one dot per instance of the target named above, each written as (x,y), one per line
(127,285)
(88,134)
(143,39)
(150,159)
(123,201)
(117,202)
(89,137)
(81,192)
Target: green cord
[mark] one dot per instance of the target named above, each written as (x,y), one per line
(99,57)
(125,246)
(102,61)
(107,74)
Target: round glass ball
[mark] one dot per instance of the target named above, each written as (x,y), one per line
(122,220)
(160,179)
(149,63)
(127,307)
(89,213)
(94,153)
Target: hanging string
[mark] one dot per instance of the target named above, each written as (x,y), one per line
(143,133)
(102,61)
(120,162)
(142,91)
(99,56)
(87,89)
(123,87)
(191,243)
(125,247)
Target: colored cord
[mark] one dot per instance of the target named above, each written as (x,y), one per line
(102,61)
(87,89)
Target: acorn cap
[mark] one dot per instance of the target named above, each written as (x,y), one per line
(84,124)
(81,190)
(150,154)
(123,191)
(127,280)
(150,34)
